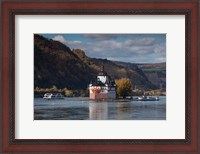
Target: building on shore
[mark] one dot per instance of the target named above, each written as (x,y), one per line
(103,88)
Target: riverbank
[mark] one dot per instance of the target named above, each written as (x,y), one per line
(157,92)
(39,92)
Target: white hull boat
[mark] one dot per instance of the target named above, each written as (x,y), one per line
(53,96)
(147,98)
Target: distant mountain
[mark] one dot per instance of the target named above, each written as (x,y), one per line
(56,64)
(156,73)
(131,66)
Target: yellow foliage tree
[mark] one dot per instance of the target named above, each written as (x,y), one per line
(124,87)
(67,92)
(54,89)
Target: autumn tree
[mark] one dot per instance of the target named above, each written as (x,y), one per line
(67,92)
(124,87)
(53,89)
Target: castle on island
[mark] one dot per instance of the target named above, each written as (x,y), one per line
(103,88)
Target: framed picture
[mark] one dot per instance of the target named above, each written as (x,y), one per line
(100,76)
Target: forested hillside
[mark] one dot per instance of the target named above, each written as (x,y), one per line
(55,64)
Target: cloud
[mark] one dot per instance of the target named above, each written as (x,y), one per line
(100,37)
(76,41)
(60,38)
(114,50)
(128,50)
(160,48)
(140,42)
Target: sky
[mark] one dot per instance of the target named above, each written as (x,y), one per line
(134,48)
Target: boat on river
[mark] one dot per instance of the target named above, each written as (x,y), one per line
(147,98)
(53,96)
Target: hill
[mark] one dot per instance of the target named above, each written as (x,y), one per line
(56,64)
(156,73)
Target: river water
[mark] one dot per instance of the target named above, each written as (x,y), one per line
(80,108)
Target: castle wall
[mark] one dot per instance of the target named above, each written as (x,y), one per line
(103,89)
(99,96)
(103,79)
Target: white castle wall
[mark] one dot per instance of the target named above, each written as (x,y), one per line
(103,79)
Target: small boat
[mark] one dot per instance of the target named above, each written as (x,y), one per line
(147,98)
(53,96)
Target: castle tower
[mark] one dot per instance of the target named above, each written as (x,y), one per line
(102,76)
(103,88)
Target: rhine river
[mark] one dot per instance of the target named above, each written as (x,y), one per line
(80,108)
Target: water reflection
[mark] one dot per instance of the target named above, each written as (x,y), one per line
(98,111)
(123,110)
(82,109)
